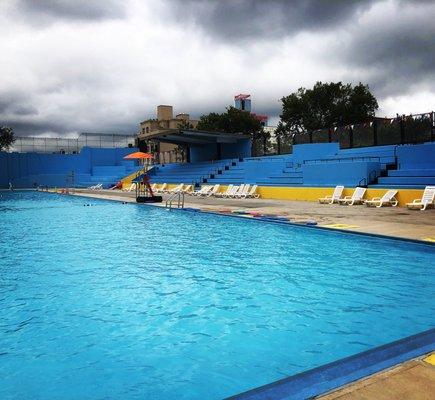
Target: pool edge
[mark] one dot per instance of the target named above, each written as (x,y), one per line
(331,376)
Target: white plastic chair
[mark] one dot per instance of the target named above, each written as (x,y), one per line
(356,198)
(336,196)
(252,194)
(213,191)
(387,199)
(227,191)
(243,192)
(426,200)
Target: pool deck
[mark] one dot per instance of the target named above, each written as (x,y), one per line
(412,380)
(390,221)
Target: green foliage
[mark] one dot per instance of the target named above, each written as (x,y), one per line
(326,105)
(185,125)
(233,121)
(6,137)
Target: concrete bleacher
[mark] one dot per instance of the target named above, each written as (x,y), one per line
(327,165)
(108,175)
(415,167)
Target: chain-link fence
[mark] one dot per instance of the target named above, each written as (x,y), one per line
(29,144)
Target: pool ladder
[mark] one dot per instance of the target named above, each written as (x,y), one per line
(178,197)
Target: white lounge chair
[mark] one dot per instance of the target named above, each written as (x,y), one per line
(336,196)
(161,189)
(96,187)
(214,190)
(356,198)
(252,194)
(176,189)
(130,188)
(426,200)
(188,189)
(237,189)
(203,191)
(387,199)
(227,191)
(243,192)
(231,192)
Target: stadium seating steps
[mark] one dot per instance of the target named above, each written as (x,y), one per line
(404,166)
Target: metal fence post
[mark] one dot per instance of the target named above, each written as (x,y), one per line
(432,128)
(402,130)
(350,136)
(375,132)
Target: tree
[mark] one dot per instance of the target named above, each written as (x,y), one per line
(185,125)
(6,137)
(236,121)
(327,105)
(233,121)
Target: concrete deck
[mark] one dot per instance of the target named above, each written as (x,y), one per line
(390,221)
(412,380)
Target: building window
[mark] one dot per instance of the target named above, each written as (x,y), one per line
(147,130)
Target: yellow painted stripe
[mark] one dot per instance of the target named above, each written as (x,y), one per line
(429,239)
(314,193)
(341,226)
(430,359)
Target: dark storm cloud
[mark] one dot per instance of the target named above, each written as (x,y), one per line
(399,53)
(73,10)
(234,20)
(16,103)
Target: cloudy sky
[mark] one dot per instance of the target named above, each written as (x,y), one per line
(102,66)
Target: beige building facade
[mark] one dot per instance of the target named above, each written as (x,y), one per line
(165,120)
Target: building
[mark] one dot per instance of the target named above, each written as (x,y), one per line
(243,102)
(165,121)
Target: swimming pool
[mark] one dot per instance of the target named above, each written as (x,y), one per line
(126,301)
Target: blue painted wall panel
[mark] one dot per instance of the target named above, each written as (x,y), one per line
(348,174)
(25,170)
(416,156)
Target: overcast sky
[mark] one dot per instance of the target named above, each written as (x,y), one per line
(102,66)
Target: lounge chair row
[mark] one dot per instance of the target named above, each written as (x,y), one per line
(244,191)
(232,191)
(388,199)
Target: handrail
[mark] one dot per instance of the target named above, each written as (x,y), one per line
(362,182)
(180,200)
(342,158)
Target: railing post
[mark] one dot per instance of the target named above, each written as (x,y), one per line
(432,128)
(350,136)
(375,132)
(402,130)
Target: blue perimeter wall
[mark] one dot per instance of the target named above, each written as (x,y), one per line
(24,170)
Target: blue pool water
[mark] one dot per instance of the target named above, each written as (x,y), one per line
(134,302)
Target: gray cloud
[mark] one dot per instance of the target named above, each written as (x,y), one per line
(235,20)
(399,53)
(88,76)
(85,10)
